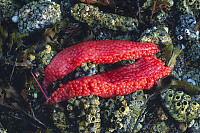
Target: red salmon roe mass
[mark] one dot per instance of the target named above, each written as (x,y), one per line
(143,74)
(98,52)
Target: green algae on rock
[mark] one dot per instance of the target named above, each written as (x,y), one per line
(37,15)
(95,18)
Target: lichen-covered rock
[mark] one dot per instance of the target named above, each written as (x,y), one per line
(180,105)
(95,18)
(37,15)
(120,114)
(158,35)
(7,8)
(185,28)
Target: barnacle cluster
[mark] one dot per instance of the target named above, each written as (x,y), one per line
(157,35)
(189,7)
(180,105)
(82,114)
(185,29)
(7,8)
(120,114)
(38,15)
(95,18)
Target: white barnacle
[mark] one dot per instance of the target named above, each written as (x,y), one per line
(166,29)
(84,15)
(87,9)
(112,21)
(148,31)
(15,19)
(187,31)
(37,25)
(154,28)
(191,81)
(179,37)
(197,33)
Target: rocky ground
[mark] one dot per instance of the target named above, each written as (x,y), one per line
(32,32)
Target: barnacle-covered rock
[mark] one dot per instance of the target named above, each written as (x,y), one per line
(158,35)
(180,105)
(47,55)
(120,114)
(189,7)
(37,15)
(42,58)
(89,69)
(7,8)
(81,114)
(185,28)
(193,53)
(86,69)
(95,18)
(191,75)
